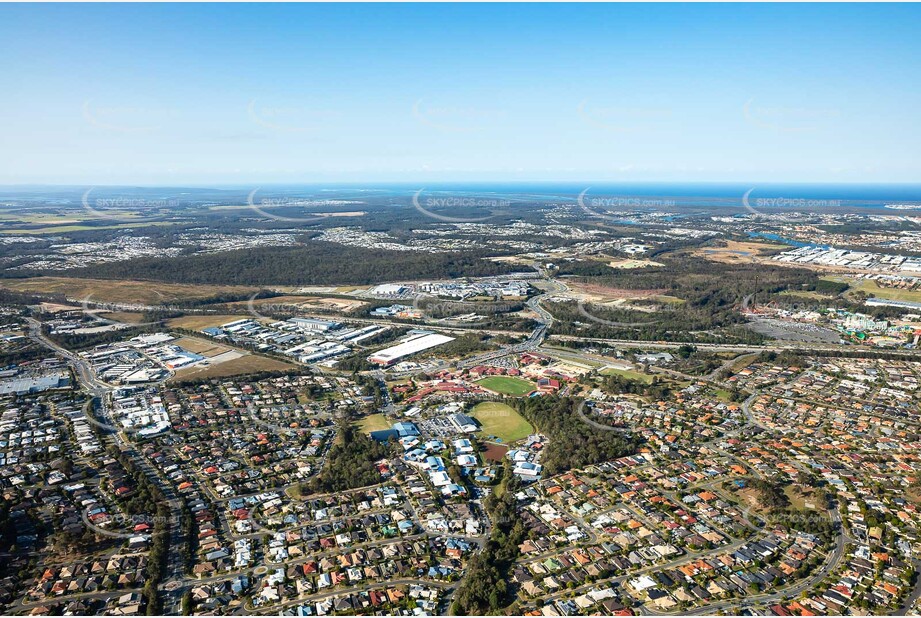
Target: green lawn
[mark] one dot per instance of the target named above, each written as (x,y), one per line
(807,294)
(507,386)
(630,374)
(374,422)
(670,300)
(502,421)
(870,287)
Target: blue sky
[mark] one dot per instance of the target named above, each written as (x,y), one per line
(254,93)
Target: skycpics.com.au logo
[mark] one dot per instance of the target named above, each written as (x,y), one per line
(455,119)
(263,207)
(455,308)
(760,206)
(787,119)
(124,208)
(270,309)
(425,206)
(599,206)
(585,408)
(293,426)
(580,307)
(297,118)
(134,525)
(126,118)
(622,118)
(93,310)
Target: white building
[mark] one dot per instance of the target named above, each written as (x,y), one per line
(388,289)
(312,325)
(413,345)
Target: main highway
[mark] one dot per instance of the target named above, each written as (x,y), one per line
(99,391)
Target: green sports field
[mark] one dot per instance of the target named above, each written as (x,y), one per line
(507,386)
(502,421)
(374,422)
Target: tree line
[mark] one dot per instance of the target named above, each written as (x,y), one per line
(351,461)
(711,293)
(315,262)
(573,442)
(486,589)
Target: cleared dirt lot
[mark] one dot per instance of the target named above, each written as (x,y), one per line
(198,322)
(603,294)
(125,317)
(206,348)
(304,303)
(735,252)
(248,363)
(114,291)
(632,264)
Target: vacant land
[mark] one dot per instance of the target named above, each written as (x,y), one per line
(125,317)
(800,499)
(495,452)
(199,322)
(125,291)
(63,229)
(332,304)
(206,348)
(502,421)
(668,300)
(913,495)
(604,294)
(872,289)
(743,361)
(750,498)
(374,422)
(807,294)
(507,386)
(734,251)
(249,363)
(632,264)
(41,218)
(630,374)
(304,303)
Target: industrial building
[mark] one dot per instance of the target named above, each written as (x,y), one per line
(388,289)
(416,343)
(312,325)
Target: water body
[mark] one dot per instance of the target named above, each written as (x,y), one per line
(781,239)
(689,194)
(658,196)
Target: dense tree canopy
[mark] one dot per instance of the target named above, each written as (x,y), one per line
(313,263)
(574,443)
(485,588)
(709,308)
(351,460)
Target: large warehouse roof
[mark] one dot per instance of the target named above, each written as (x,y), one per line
(410,346)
